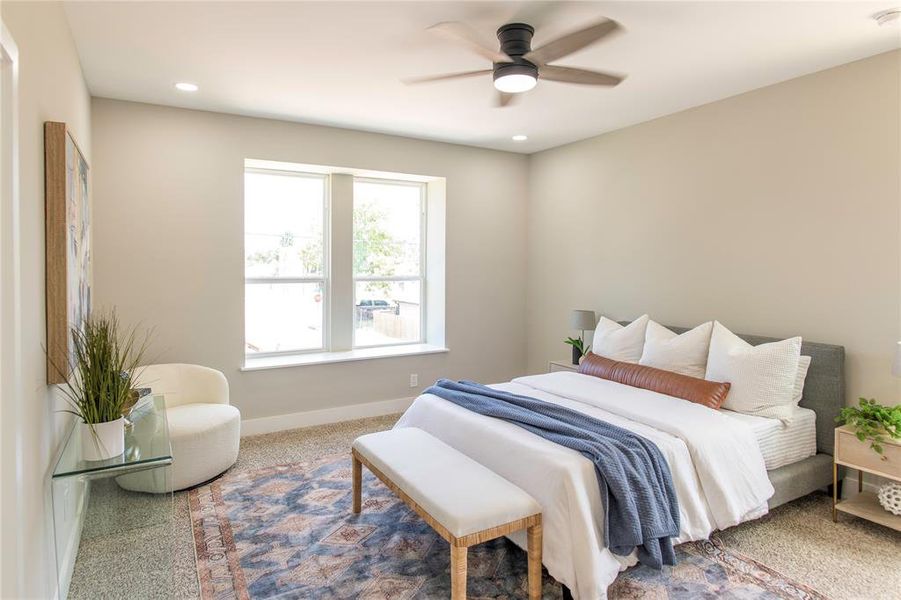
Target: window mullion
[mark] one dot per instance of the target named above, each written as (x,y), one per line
(341,276)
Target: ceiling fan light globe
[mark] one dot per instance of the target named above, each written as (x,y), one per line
(515,83)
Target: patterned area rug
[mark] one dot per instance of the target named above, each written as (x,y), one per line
(288,532)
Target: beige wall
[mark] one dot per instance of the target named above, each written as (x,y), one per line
(51,88)
(168,187)
(776,212)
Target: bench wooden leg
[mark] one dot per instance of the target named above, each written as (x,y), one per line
(357,483)
(534,545)
(458,572)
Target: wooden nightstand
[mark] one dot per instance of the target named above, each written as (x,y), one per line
(561,365)
(851,452)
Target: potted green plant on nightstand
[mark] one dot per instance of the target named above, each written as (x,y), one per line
(872,422)
(98,385)
(579,348)
(877,424)
(581,320)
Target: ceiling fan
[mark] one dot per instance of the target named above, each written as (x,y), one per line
(517,67)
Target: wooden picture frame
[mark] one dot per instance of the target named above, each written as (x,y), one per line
(67,245)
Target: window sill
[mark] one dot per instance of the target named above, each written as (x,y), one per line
(324,358)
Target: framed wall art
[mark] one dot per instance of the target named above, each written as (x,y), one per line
(68,245)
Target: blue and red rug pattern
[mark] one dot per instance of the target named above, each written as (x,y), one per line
(288,532)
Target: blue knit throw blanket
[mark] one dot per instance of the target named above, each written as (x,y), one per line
(640,506)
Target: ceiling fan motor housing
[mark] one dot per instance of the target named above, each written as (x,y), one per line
(516,40)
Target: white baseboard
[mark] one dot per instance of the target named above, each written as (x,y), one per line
(324,416)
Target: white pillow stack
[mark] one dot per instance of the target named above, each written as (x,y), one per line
(766,380)
(762,377)
(684,353)
(613,341)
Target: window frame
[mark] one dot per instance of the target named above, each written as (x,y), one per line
(323,280)
(421,277)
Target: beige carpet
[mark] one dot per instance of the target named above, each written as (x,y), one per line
(852,559)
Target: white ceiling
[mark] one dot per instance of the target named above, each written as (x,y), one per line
(340,63)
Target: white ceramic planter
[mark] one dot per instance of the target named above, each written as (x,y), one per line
(105,441)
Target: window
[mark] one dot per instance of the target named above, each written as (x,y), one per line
(388,227)
(339,264)
(284,262)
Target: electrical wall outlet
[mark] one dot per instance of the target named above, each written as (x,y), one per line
(414,380)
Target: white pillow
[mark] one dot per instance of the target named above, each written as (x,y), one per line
(803,365)
(613,341)
(680,353)
(762,377)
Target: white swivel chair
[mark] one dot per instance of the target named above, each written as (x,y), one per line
(204,429)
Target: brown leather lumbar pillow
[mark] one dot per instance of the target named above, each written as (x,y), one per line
(700,391)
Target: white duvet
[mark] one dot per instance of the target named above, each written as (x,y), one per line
(716,464)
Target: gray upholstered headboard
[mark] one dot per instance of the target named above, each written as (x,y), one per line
(824,388)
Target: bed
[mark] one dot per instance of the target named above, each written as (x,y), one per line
(715,489)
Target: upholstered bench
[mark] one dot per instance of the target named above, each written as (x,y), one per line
(464,502)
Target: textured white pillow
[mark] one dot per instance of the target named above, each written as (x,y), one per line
(680,353)
(613,341)
(803,365)
(762,377)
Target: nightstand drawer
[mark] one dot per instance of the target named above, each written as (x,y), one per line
(851,451)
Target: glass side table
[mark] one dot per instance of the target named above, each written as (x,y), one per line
(111,542)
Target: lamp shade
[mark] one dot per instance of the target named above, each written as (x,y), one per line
(582,320)
(896,365)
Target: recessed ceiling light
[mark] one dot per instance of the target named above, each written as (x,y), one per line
(888,17)
(520,138)
(186,87)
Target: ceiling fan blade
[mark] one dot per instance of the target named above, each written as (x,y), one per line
(583,76)
(571,42)
(463,34)
(446,76)
(505,99)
